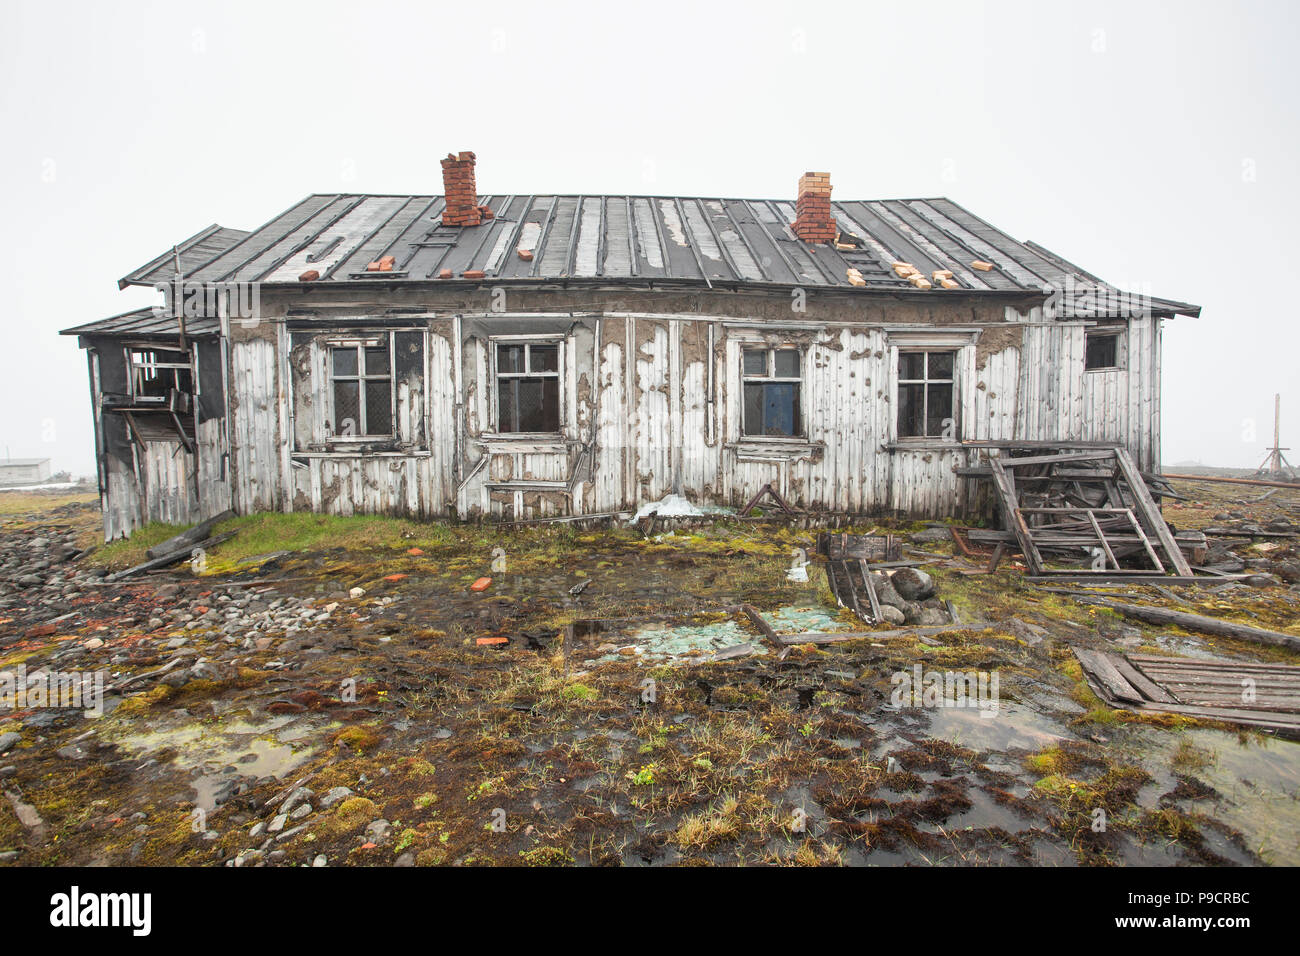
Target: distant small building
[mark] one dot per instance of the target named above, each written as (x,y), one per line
(23,471)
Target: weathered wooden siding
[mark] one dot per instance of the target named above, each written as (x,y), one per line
(651,405)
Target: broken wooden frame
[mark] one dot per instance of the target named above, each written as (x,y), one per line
(1255,695)
(1087,506)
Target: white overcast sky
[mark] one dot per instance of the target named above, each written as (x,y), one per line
(1152,143)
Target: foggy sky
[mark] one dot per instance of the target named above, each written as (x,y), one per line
(1153,144)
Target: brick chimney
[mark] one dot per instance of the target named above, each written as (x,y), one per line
(814,222)
(461,192)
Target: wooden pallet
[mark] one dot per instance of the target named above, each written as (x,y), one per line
(1212,690)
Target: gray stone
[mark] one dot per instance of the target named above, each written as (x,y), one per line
(337,795)
(891,614)
(277,823)
(8,740)
(378,831)
(912,583)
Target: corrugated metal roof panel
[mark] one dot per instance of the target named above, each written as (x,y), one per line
(630,238)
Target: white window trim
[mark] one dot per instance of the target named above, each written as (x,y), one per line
(494,410)
(754,342)
(960,343)
(360,343)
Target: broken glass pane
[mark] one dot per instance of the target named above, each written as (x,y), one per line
(911,411)
(938,423)
(347,407)
(506,414)
(545,358)
(379,412)
(941,364)
(911,365)
(345,361)
(787,363)
(755,361)
(510,358)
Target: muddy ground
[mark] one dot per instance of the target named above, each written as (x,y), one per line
(357,705)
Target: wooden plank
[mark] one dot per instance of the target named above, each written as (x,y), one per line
(1149,688)
(834,637)
(870,587)
(1146,504)
(1110,555)
(1146,542)
(764,628)
(1100,667)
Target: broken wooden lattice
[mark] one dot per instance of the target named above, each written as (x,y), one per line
(1088,507)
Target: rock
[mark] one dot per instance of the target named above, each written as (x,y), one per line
(320,860)
(277,823)
(885,593)
(8,740)
(93,644)
(378,831)
(1031,634)
(337,795)
(912,583)
(300,811)
(258,829)
(1262,580)
(931,616)
(891,614)
(406,859)
(295,797)
(356,593)
(932,534)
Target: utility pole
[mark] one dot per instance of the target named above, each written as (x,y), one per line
(1275,462)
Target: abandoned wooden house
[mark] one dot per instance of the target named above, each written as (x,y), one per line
(510,356)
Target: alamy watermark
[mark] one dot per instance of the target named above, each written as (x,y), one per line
(921,688)
(1091,298)
(196,300)
(82,690)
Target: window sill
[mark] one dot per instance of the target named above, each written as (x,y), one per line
(1109,368)
(923,444)
(769,448)
(541,442)
(362,452)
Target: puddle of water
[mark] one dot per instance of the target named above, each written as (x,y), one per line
(219,753)
(1258,784)
(1014,725)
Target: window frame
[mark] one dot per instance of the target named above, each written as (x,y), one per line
(359,343)
(801,426)
(1107,332)
(495,375)
(135,371)
(952,381)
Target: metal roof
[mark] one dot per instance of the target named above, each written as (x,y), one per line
(730,243)
(194,251)
(145,323)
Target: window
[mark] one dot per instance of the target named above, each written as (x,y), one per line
(362,383)
(925,395)
(528,387)
(1101,350)
(772,382)
(155,372)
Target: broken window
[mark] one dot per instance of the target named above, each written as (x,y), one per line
(772,380)
(362,383)
(157,372)
(1101,350)
(925,395)
(528,387)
